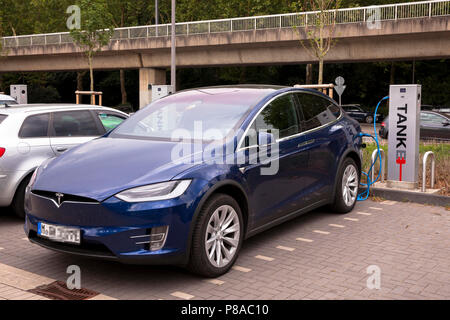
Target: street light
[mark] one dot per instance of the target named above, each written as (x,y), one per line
(156,12)
(173,51)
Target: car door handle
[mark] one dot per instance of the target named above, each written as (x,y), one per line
(306,143)
(61,149)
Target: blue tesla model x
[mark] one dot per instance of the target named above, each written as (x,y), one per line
(187,179)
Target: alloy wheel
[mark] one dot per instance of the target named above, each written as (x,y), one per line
(350,185)
(222,236)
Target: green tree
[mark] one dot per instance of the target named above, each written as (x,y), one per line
(96,30)
(48,16)
(320,31)
(119,15)
(16,17)
(128,13)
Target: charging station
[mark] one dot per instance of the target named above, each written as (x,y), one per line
(160,91)
(20,93)
(404,136)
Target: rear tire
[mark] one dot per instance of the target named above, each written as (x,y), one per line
(218,225)
(347,187)
(18,204)
(369,119)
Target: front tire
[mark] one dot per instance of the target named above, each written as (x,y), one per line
(217,238)
(347,187)
(18,204)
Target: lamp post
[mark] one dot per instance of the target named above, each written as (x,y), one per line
(156,12)
(173,51)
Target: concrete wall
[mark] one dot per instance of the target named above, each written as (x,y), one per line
(147,78)
(427,38)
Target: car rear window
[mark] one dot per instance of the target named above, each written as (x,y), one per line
(110,121)
(2,117)
(75,124)
(35,126)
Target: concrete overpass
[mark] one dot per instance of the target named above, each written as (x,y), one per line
(418,30)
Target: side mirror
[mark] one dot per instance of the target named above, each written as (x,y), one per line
(446,123)
(265,138)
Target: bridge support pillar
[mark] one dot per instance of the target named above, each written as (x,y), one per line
(148,77)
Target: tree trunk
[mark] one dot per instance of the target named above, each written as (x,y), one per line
(392,80)
(243,75)
(320,71)
(123,90)
(91,73)
(309,76)
(80,76)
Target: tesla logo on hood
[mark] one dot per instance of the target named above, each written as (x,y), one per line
(59,197)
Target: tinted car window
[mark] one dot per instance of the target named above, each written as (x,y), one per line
(110,121)
(2,117)
(75,124)
(351,109)
(317,111)
(430,119)
(35,126)
(280,114)
(8,102)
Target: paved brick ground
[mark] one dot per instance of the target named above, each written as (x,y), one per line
(317,256)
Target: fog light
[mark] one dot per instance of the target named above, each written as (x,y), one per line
(158,238)
(154,239)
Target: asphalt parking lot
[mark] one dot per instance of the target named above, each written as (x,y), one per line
(317,256)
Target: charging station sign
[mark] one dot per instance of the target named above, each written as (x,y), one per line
(404,133)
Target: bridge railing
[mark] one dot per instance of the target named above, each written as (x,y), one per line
(409,10)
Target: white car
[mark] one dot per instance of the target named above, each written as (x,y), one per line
(5,99)
(31,134)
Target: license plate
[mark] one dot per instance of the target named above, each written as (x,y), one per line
(59,233)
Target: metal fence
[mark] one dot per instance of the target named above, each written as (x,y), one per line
(399,11)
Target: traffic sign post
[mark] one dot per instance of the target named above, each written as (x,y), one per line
(340,88)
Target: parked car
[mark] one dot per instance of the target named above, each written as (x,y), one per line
(126,197)
(442,109)
(356,112)
(5,99)
(433,125)
(428,107)
(31,134)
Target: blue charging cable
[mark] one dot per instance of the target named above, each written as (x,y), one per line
(365,195)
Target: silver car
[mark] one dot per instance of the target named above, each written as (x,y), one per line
(5,99)
(31,134)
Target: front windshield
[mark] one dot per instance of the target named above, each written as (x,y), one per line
(196,113)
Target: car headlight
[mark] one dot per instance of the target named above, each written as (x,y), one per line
(155,192)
